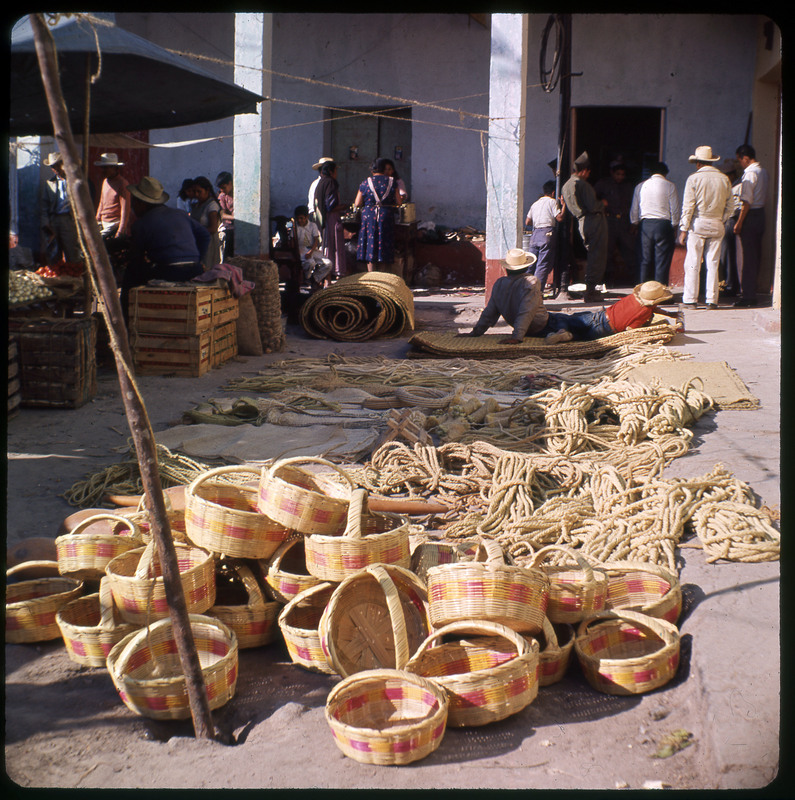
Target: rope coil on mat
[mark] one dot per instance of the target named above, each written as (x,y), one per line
(735,532)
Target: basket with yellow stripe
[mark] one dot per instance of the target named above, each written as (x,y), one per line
(556,641)
(489,671)
(298,622)
(387,717)
(367,539)
(623,652)
(285,572)
(147,672)
(31,607)
(645,587)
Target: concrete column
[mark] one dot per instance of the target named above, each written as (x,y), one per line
(25,177)
(505,166)
(251,162)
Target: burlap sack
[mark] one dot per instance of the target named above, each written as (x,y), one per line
(249,342)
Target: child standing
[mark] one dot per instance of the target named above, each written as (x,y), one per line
(307,234)
(544,216)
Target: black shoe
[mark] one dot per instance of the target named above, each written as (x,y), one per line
(690,305)
(729,293)
(743,303)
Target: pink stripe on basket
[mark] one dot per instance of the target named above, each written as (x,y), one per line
(516,686)
(394,693)
(78,648)
(356,744)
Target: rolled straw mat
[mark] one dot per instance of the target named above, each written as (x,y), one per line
(358,307)
(719,380)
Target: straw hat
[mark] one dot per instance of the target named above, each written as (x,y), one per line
(651,293)
(109,160)
(517,259)
(703,153)
(150,190)
(321,162)
(52,159)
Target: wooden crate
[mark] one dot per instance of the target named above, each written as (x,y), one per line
(224,343)
(180,310)
(14,393)
(187,355)
(57,361)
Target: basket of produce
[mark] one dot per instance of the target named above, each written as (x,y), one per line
(135,578)
(367,539)
(304,501)
(488,589)
(576,588)
(427,554)
(241,606)
(31,607)
(489,671)
(26,288)
(644,587)
(623,652)
(90,627)
(375,619)
(84,553)
(147,673)
(387,716)
(556,642)
(286,574)
(298,622)
(222,517)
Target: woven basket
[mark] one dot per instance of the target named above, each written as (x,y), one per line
(140,515)
(31,570)
(375,619)
(254,623)
(286,574)
(223,517)
(31,607)
(84,554)
(644,587)
(90,626)
(430,554)
(298,622)
(573,593)
(368,539)
(624,652)
(138,589)
(556,642)
(387,716)
(487,679)
(304,501)
(488,590)
(147,673)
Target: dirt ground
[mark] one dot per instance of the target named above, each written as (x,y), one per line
(66,727)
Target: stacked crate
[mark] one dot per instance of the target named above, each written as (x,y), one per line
(182,330)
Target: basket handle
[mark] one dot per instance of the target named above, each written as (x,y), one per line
(107,615)
(395,614)
(145,562)
(213,473)
(166,499)
(135,531)
(581,561)
(271,471)
(357,509)
(490,551)
(275,560)
(665,630)
(255,596)
(551,637)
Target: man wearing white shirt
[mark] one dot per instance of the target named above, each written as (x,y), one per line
(544,216)
(655,209)
(750,224)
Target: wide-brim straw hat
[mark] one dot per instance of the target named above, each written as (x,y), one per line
(108,160)
(703,153)
(150,190)
(651,293)
(321,162)
(52,159)
(517,258)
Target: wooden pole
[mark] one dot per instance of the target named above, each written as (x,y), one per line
(133,403)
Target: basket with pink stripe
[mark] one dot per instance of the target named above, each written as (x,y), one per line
(298,622)
(645,587)
(286,574)
(31,607)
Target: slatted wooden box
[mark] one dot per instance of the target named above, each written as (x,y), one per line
(14,394)
(187,355)
(224,346)
(180,310)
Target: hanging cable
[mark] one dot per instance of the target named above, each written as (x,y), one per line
(549,77)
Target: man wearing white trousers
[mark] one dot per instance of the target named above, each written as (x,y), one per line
(706,205)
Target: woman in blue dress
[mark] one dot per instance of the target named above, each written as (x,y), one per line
(377,198)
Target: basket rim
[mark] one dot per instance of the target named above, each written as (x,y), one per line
(18,605)
(178,545)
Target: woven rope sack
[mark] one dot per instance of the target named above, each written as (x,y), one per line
(430,554)
(147,672)
(139,593)
(490,672)
(285,572)
(488,590)
(303,501)
(387,717)
(223,517)
(84,554)
(624,652)
(90,626)
(574,592)
(375,619)
(254,622)
(641,586)
(31,607)
(556,642)
(367,539)
(298,622)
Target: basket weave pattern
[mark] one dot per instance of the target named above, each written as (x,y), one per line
(286,574)
(645,587)
(298,622)
(31,607)
(84,554)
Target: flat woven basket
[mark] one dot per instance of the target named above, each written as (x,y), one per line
(387,717)
(642,586)
(254,623)
(556,641)
(624,652)
(430,554)
(138,590)
(286,574)
(147,673)
(302,500)
(367,539)
(574,591)
(84,554)
(31,607)
(490,672)
(90,626)
(223,517)
(298,622)
(488,590)
(375,619)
